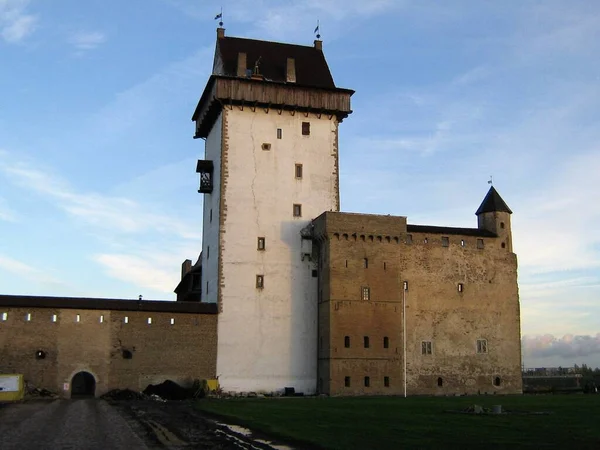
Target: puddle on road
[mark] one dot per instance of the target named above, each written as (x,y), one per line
(248,433)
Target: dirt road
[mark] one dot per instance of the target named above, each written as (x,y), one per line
(90,424)
(63,424)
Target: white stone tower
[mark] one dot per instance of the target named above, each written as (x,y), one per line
(269,115)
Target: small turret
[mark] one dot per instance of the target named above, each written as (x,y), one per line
(494,215)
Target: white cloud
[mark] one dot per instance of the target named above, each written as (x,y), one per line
(113,213)
(15,23)
(6,213)
(271,18)
(569,346)
(28,272)
(87,40)
(146,271)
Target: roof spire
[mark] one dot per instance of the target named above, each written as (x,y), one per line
(493,202)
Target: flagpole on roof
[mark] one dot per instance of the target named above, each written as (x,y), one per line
(220,16)
(317,30)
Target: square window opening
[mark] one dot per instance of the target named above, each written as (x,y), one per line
(366,293)
(261,243)
(297,210)
(4,317)
(366,341)
(305,128)
(482,346)
(386,381)
(149,320)
(315,273)
(347,341)
(54,317)
(366,263)
(386,342)
(347,381)
(367,381)
(126,319)
(298,171)
(172,321)
(426,348)
(445,241)
(260,281)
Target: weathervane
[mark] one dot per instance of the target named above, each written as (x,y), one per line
(317,31)
(491,181)
(220,16)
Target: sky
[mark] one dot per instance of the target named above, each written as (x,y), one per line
(98,190)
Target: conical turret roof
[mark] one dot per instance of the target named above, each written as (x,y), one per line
(493,203)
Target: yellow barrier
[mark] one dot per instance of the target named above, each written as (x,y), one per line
(211,385)
(12,388)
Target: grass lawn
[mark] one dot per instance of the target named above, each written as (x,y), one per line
(418,422)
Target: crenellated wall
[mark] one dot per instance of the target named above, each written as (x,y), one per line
(165,342)
(461,288)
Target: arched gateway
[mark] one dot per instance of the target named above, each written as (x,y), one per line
(83,384)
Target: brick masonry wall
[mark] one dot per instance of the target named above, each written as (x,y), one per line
(436,312)
(181,352)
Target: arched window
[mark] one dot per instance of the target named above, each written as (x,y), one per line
(440,382)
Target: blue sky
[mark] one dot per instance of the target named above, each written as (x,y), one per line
(97,181)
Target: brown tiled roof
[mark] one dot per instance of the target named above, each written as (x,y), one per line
(449,230)
(22,301)
(493,203)
(311,67)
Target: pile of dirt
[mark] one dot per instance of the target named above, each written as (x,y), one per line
(34,392)
(169,390)
(123,394)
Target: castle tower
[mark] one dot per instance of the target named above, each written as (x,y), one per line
(269,115)
(494,215)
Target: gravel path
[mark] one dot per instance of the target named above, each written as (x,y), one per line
(85,424)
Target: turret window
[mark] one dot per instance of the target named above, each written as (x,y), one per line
(501,224)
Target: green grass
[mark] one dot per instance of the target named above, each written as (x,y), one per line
(418,422)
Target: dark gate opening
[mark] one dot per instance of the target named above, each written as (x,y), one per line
(83,385)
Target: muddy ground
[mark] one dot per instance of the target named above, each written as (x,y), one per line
(177,424)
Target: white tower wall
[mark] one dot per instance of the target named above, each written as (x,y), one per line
(267,338)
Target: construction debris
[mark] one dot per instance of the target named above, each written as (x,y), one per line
(124,394)
(169,390)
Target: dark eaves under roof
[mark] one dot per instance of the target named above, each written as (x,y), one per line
(311,67)
(23,301)
(493,203)
(449,230)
